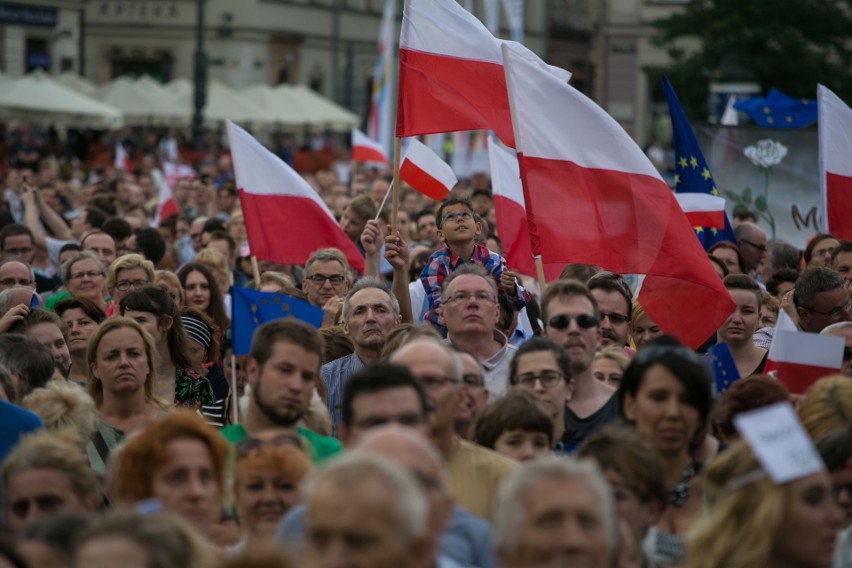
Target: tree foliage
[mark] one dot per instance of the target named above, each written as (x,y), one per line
(788,44)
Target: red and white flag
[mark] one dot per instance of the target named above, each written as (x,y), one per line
(799,359)
(166,204)
(835,148)
(285,219)
(122,159)
(451,73)
(703,209)
(593,197)
(365,149)
(511,214)
(422,169)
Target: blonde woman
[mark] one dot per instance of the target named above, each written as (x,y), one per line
(127,273)
(643,328)
(827,406)
(609,365)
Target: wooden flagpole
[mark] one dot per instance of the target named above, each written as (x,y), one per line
(397,142)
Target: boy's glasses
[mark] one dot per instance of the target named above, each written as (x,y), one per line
(459,216)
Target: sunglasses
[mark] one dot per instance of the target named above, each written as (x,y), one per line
(247,446)
(584,321)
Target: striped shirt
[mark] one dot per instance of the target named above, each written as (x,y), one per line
(335,375)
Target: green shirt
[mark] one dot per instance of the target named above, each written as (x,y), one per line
(320,448)
(50,303)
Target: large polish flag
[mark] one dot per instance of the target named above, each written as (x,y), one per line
(425,171)
(835,149)
(703,209)
(511,213)
(593,197)
(285,218)
(451,73)
(365,149)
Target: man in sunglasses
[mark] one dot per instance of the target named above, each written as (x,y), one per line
(751,241)
(571,319)
(821,299)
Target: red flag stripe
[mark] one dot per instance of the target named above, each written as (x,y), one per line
(838,191)
(708,219)
(367,154)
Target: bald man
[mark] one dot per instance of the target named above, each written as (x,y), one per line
(751,241)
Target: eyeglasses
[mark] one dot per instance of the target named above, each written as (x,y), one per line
(824,252)
(614,318)
(9,282)
(125,285)
(247,446)
(91,274)
(321,278)
(761,248)
(562,321)
(18,251)
(459,216)
(473,380)
(547,379)
(836,314)
(480,297)
(433,383)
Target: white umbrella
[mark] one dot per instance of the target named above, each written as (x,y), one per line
(223,103)
(38,97)
(143,102)
(281,106)
(78,83)
(319,111)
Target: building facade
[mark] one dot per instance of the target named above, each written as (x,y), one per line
(41,34)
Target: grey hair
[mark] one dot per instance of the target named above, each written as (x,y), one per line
(840,326)
(812,282)
(6,261)
(468,269)
(363,284)
(328,255)
(354,468)
(28,359)
(6,297)
(509,513)
(80,256)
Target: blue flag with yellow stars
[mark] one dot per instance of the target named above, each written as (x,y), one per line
(724,369)
(691,172)
(250,309)
(777,110)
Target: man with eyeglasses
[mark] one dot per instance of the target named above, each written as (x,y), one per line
(821,299)
(615,306)
(542,367)
(13,273)
(326,282)
(471,314)
(571,319)
(17,243)
(751,241)
(475,473)
(370,312)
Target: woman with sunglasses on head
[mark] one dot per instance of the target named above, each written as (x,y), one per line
(267,474)
(665,394)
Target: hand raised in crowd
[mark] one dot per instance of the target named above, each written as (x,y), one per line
(396,251)
(330,310)
(371,237)
(29,195)
(13,316)
(507,282)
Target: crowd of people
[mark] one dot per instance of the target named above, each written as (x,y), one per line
(448,412)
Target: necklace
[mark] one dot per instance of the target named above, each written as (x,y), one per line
(679,494)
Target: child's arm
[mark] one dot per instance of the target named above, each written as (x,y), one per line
(516,296)
(432,278)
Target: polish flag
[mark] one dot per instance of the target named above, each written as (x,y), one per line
(451,73)
(122,159)
(835,147)
(285,219)
(511,214)
(593,197)
(703,209)
(422,169)
(166,205)
(799,359)
(365,149)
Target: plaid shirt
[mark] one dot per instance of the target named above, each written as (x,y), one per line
(443,262)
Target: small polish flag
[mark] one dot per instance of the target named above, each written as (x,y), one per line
(799,359)
(422,169)
(365,149)
(703,209)
(835,147)
(122,160)
(285,218)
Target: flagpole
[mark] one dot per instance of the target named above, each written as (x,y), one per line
(539,270)
(384,200)
(397,141)
(255,272)
(234,400)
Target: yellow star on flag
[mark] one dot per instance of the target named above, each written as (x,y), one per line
(698,229)
(714,230)
(682,162)
(677,179)
(714,191)
(705,174)
(693,162)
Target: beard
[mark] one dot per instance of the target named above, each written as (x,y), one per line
(287,420)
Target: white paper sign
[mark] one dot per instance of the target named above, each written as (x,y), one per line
(780,443)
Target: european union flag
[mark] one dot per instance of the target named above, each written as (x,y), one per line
(777,110)
(691,172)
(250,309)
(724,369)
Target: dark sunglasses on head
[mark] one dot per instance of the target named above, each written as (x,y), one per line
(245,447)
(584,321)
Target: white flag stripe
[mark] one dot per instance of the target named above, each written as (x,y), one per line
(808,349)
(835,133)
(691,202)
(505,174)
(443,27)
(424,158)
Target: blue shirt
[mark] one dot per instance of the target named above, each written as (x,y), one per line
(335,375)
(14,423)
